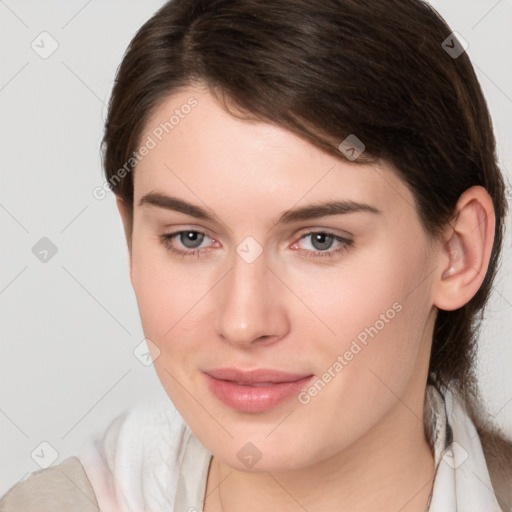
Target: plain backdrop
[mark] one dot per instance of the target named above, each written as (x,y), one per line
(69,319)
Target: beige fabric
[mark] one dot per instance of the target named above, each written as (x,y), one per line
(61,488)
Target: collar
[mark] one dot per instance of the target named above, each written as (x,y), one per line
(462,482)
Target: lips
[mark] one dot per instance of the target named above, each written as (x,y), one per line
(254,390)
(256,376)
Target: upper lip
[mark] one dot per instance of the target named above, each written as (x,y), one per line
(257,375)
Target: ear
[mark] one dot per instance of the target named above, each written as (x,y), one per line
(464,255)
(127,219)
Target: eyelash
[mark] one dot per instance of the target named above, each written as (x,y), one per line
(345,243)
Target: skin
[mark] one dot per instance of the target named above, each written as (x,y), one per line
(359,444)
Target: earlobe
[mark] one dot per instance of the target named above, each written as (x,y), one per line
(464,256)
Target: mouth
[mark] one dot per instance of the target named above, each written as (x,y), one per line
(255,390)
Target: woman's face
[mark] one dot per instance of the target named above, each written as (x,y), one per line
(342,301)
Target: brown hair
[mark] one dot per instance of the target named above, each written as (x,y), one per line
(326,69)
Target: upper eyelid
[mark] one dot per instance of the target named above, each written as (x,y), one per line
(327,231)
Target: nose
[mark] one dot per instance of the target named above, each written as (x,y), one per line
(250,304)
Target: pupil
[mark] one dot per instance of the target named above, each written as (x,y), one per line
(321,237)
(191,236)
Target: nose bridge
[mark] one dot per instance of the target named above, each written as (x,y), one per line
(248,307)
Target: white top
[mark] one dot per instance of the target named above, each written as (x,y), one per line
(149,460)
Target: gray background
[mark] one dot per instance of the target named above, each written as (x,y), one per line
(69,325)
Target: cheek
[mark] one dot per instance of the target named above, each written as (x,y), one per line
(171,297)
(378,289)
(162,291)
(378,311)
(166,300)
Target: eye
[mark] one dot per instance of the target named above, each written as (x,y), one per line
(190,239)
(321,241)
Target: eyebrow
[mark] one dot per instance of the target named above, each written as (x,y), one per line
(313,211)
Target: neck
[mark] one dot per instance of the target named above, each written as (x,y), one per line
(390,468)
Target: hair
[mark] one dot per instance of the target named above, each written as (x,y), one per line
(324,70)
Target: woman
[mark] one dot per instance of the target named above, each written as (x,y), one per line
(314,217)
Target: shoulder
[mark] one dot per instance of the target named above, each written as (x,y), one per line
(497,450)
(498,455)
(61,487)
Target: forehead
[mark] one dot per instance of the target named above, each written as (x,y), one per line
(200,151)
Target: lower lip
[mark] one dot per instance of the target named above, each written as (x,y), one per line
(255,398)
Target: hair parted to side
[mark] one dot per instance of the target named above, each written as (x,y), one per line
(325,69)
